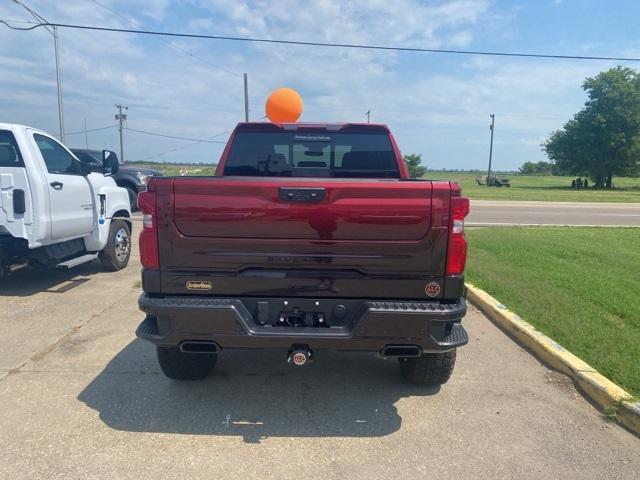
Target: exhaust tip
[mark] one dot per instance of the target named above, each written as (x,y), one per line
(199,346)
(401,351)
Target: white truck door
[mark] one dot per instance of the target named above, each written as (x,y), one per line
(71,204)
(16,210)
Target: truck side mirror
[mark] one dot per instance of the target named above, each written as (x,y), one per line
(110,165)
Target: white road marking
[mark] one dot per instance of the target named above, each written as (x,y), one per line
(512,203)
(618,214)
(504,224)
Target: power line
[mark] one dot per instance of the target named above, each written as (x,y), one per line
(90,130)
(171,44)
(328,44)
(33,14)
(146,132)
(201,140)
(54,32)
(191,144)
(20,28)
(15,20)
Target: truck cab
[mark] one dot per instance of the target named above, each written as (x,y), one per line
(54,211)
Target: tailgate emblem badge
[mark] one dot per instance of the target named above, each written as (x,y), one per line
(200,285)
(432,289)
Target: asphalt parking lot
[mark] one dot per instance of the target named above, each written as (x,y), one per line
(82,398)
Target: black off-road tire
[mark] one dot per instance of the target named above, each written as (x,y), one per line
(428,369)
(185,366)
(115,255)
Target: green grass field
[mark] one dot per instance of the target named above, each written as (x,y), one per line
(173,169)
(580,286)
(523,187)
(542,188)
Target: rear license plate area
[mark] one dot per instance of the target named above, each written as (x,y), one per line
(302,312)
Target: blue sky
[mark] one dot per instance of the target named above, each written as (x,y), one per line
(436,105)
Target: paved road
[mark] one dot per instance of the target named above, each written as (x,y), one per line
(82,398)
(494,212)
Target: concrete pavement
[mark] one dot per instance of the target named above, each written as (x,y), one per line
(501,213)
(82,398)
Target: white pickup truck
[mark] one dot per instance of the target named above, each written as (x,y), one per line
(53,210)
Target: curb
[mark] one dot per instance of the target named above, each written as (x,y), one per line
(602,391)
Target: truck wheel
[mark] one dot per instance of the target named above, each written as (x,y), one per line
(115,255)
(185,366)
(429,369)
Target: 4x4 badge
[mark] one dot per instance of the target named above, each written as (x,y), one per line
(432,289)
(200,285)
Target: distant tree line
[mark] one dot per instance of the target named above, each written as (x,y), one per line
(539,168)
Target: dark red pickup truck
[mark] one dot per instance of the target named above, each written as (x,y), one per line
(309,236)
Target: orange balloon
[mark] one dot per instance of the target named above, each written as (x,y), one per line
(284,105)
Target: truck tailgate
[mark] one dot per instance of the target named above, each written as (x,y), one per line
(378,210)
(372,238)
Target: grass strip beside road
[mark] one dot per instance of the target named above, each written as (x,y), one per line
(579,286)
(541,188)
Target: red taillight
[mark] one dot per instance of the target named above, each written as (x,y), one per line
(149,234)
(457,251)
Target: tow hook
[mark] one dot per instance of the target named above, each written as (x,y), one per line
(300,355)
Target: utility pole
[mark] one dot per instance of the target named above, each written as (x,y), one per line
(121,117)
(368,114)
(60,114)
(53,31)
(246,99)
(86,137)
(493,118)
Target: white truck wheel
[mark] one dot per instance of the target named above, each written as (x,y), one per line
(115,255)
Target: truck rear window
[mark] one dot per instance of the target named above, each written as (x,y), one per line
(9,151)
(295,154)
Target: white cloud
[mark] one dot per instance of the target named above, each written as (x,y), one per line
(437,105)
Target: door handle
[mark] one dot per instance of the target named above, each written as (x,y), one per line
(57,185)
